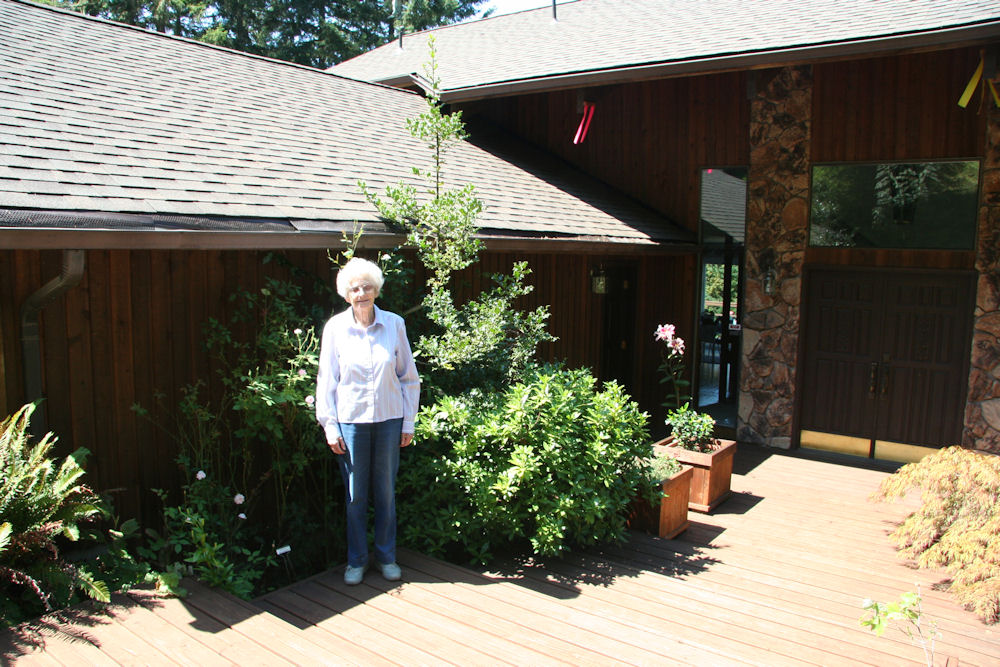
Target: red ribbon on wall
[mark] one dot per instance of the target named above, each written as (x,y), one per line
(588,115)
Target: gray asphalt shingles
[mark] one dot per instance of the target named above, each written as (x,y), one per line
(593,35)
(96,116)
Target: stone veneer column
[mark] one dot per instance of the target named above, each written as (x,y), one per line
(982,412)
(777,229)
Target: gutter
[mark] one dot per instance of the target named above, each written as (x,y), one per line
(949,37)
(74,262)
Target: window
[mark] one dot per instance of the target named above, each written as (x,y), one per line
(895,205)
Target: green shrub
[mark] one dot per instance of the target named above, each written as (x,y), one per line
(257,441)
(45,508)
(957,526)
(693,430)
(662,467)
(549,462)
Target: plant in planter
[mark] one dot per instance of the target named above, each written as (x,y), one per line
(692,430)
(665,514)
(692,437)
(693,442)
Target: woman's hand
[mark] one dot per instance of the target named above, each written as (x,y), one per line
(405,439)
(339,447)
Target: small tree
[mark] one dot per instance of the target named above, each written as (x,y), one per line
(485,342)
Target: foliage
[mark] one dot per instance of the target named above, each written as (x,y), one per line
(957,525)
(663,466)
(318,33)
(907,611)
(550,461)
(672,365)
(692,430)
(714,285)
(207,541)
(44,508)
(486,342)
(258,473)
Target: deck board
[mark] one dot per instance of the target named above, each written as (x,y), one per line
(775,576)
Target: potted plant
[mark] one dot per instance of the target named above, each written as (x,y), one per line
(693,442)
(664,511)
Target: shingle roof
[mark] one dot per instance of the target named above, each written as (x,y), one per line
(671,35)
(102,118)
(724,202)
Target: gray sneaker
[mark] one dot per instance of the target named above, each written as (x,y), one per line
(390,571)
(354,575)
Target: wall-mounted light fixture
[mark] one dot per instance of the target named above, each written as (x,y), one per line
(769,280)
(598,281)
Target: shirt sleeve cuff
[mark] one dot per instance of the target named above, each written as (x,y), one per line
(408,425)
(332,432)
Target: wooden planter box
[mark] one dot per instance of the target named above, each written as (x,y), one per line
(670,518)
(713,471)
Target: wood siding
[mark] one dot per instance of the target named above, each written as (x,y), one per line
(649,140)
(132,329)
(896,108)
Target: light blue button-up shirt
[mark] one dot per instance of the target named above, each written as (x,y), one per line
(366,374)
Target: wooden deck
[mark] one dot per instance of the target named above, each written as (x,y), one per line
(774,577)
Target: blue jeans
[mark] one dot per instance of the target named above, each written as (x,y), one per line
(371,461)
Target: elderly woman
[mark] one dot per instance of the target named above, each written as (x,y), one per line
(367,393)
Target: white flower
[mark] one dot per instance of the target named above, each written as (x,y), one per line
(239,499)
(310,400)
(386,257)
(200,475)
(241,515)
(297,332)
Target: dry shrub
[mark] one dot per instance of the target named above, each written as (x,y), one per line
(957,526)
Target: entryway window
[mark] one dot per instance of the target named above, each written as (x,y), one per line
(930,205)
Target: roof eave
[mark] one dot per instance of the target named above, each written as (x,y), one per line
(20,238)
(951,37)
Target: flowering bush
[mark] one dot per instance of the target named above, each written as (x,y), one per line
(260,475)
(672,366)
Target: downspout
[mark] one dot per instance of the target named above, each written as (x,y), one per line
(74,262)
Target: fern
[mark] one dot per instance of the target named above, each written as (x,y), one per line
(40,503)
(957,526)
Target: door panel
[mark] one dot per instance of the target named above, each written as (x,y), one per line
(925,352)
(885,355)
(840,339)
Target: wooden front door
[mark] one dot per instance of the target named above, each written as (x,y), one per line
(885,360)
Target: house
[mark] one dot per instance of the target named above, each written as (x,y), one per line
(869,131)
(144,178)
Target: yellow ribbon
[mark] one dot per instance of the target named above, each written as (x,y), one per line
(963,101)
(993,89)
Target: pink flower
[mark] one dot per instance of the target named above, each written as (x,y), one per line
(302,372)
(239,499)
(310,400)
(664,332)
(200,475)
(677,345)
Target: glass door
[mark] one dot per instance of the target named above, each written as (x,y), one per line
(723,222)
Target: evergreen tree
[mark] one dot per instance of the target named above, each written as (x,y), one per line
(318,33)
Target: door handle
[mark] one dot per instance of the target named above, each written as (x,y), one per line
(873,379)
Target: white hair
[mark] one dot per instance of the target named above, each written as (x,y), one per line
(358,269)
